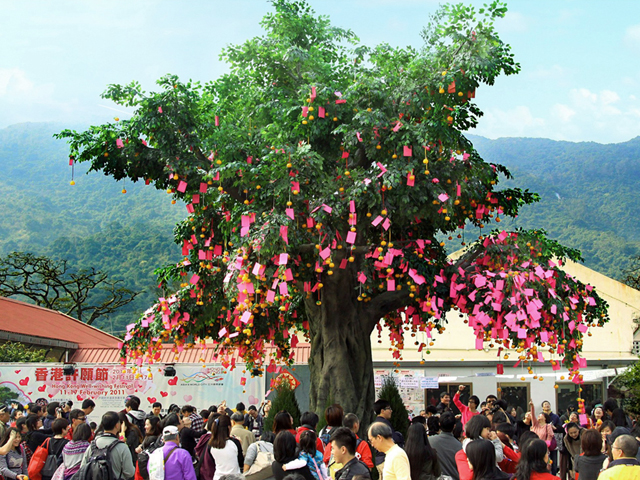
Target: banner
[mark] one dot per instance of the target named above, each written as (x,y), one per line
(108,385)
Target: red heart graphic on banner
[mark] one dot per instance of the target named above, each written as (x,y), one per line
(173,381)
(42,388)
(79,398)
(24,381)
(17,371)
(151,399)
(164,394)
(51,395)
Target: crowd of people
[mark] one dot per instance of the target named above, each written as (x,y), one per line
(484,441)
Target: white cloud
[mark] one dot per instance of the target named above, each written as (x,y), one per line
(14,81)
(516,122)
(632,37)
(563,112)
(22,99)
(584,115)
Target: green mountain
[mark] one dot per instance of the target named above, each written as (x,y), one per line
(91,224)
(588,190)
(589,194)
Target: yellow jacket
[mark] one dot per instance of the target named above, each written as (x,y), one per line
(622,469)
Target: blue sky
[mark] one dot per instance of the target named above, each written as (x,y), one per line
(580,76)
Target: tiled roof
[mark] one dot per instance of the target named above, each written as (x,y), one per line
(188,355)
(22,318)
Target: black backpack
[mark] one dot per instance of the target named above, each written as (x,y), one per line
(99,465)
(143,457)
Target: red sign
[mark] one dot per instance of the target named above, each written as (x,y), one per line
(288,377)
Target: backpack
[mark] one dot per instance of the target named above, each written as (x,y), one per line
(98,467)
(325,436)
(205,466)
(143,458)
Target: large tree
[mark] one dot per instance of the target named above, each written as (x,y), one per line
(320,177)
(86,294)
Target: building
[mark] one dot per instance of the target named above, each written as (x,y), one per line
(59,334)
(454,360)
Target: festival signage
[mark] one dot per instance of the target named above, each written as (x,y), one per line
(108,385)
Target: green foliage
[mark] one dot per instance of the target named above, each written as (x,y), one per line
(400,415)
(630,380)
(268,164)
(285,401)
(12,352)
(6,395)
(587,195)
(91,224)
(283,160)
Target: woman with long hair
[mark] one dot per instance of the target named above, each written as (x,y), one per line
(481,460)
(422,458)
(478,428)
(589,464)
(541,425)
(131,435)
(225,450)
(14,464)
(605,429)
(34,437)
(152,431)
(283,421)
(73,451)
(285,451)
(533,464)
(619,418)
(572,445)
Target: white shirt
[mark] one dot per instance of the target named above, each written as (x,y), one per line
(226,460)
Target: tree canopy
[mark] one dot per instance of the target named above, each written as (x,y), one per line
(319,177)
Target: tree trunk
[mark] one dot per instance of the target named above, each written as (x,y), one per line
(340,363)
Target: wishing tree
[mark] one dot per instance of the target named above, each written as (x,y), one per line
(320,179)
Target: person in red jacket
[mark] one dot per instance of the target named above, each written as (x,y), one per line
(309,421)
(363,450)
(466,411)
(505,432)
(534,462)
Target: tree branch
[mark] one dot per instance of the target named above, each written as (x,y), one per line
(384,303)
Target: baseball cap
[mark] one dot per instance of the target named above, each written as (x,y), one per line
(170,431)
(3,408)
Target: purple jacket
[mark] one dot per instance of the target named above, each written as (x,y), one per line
(179,465)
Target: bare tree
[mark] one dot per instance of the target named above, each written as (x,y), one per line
(85,294)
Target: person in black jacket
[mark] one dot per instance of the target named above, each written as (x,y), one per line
(343,448)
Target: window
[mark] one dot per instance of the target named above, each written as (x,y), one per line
(432,396)
(636,347)
(515,394)
(567,394)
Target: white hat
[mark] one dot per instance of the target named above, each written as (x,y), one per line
(170,431)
